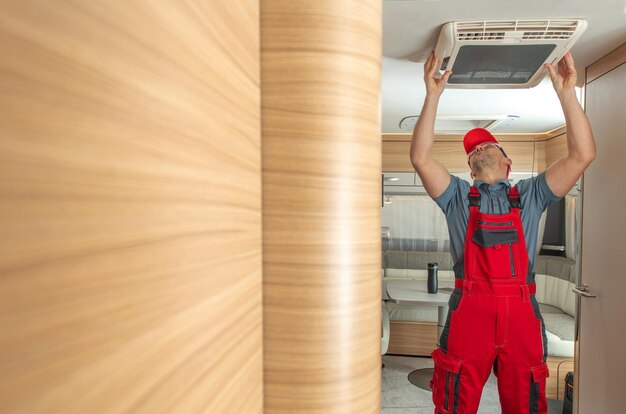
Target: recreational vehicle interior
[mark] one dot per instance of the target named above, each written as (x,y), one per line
(530,125)
(190,211)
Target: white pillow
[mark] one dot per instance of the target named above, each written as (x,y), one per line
(558,347)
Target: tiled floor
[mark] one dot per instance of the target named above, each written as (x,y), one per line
(399,396)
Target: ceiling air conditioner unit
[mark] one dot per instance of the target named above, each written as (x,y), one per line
(504,53)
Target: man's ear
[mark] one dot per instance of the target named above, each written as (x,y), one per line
(508,161)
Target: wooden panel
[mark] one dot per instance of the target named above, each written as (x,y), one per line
(412,338)
(552,387)
(321,205)
(459,137)
(131,270)
(452,156)
(556,132)
(609,62)
(556,148)
(396,156)
(539,163)
(564,368)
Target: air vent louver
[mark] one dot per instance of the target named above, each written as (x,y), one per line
(526,29)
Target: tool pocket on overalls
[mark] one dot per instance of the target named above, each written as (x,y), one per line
(445,382)
(495,259)
(537,399)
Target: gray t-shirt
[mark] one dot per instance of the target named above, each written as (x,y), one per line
(535,197)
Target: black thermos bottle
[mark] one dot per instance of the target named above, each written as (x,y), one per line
(432,277)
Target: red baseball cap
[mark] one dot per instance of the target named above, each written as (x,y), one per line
(477,136)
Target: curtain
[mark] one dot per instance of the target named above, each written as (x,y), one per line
(415,223)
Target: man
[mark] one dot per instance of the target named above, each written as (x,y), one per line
(494,320)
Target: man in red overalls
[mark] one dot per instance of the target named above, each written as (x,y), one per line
(494,320)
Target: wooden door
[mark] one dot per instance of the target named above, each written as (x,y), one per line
(602,361)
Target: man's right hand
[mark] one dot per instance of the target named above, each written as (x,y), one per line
(435,84)
(434,176)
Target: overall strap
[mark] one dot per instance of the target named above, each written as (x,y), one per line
(474,197)
(514,198)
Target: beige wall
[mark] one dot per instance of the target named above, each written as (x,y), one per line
(130,217)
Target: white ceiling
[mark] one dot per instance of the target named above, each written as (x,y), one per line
(410,32)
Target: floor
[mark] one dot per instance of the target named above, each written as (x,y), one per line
(399,396)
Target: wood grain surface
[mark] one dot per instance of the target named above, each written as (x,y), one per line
(130,210)
(539,159)
(412,338)
(556,148)
(452,155)
(321,205)
(519,137)
(555,382)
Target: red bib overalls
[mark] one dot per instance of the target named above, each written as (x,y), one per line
(493,320)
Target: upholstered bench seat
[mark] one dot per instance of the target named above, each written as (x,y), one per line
(557,305)
(560,324)
(559,331)
(416,313)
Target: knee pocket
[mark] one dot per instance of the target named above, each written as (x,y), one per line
(537,397)
(445,382)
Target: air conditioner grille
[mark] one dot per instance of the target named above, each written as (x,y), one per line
(526,29)
(481,36)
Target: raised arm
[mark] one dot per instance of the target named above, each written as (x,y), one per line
(581,148)
(434,176)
